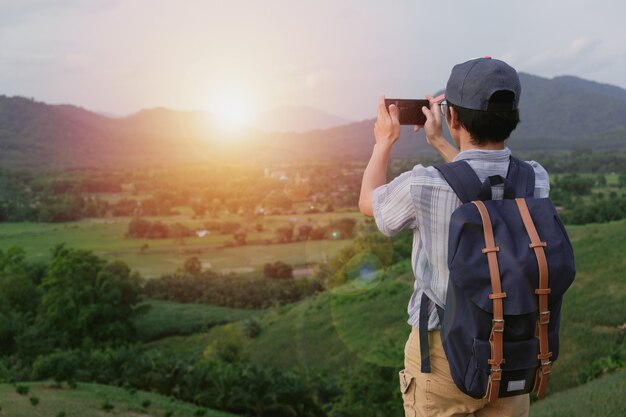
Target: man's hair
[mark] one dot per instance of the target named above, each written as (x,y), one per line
(493,125)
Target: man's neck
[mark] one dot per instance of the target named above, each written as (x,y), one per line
(466,144)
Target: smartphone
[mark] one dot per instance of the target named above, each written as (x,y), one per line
(410,110)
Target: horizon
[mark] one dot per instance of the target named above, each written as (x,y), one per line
(257,57)
(114,115)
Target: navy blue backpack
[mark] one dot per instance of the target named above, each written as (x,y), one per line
(510,262)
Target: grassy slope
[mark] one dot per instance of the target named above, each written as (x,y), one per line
(87,401)
(327,332)
(603,397)
(337,328)
(594,307)
(168,318)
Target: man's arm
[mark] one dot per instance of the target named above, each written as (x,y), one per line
(374,176)
(386,133)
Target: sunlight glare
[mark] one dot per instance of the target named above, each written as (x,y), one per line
(233,107)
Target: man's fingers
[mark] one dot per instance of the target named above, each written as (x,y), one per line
(434,104)
(395,114)
(417,128)
(427,112)
(382,109)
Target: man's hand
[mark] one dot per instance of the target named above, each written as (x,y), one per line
(387,126)
(432,127)
(433,130)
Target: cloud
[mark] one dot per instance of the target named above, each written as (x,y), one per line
(577,55)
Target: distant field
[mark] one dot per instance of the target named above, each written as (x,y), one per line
(106,238)
(87,400)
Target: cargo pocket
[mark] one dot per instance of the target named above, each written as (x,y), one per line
(407,388)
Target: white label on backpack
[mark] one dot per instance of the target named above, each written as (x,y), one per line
(516,385)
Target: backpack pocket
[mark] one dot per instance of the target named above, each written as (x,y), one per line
(518,370)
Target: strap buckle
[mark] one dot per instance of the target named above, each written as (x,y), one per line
(544,317)
(496,374)
(546,367)
(497,325)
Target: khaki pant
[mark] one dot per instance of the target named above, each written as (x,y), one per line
(434,393)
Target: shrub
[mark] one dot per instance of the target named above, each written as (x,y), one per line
(34,401)
(252,327)
(278,270)
(107,406)
(227,345)
(22,389)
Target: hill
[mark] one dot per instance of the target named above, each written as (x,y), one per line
(87,401)
(563,113)
(298,119)
(366,321)
(601,398)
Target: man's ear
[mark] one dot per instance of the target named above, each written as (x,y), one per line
(454,119)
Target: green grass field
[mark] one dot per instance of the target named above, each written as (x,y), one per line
(337,328)
(172,318)
(603,397)
(87,401)
(106,238)
(326,332)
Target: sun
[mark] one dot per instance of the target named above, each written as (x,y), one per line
(232,107)
(233,111)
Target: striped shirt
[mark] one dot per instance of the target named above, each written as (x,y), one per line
(422,200)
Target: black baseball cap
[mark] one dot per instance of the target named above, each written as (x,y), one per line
(472,83)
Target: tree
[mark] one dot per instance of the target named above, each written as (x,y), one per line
(318,233)
(138,227)
(304,231)
(278,270)
(285,233)
(86,298)
(192,266)
(199,208)
(179,231)
(158,230)
(343,228)
(240,237)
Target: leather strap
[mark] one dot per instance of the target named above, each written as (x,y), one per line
(543,373)
(497,328)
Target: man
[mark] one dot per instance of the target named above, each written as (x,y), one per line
(481,111)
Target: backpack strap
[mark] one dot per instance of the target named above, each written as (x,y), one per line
(496,337)
(543,372)
(423,331)
(522,175)
(467,186)
(462,178)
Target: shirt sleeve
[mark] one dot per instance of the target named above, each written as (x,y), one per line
(542,180)
(393,206)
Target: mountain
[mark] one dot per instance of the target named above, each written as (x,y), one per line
(563,113)
(298,119)
(593,87)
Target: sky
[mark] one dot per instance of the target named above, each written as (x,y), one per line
(120,56)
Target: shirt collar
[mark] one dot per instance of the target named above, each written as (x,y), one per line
(499,155)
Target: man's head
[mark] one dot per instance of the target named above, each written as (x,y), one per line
(483,97)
